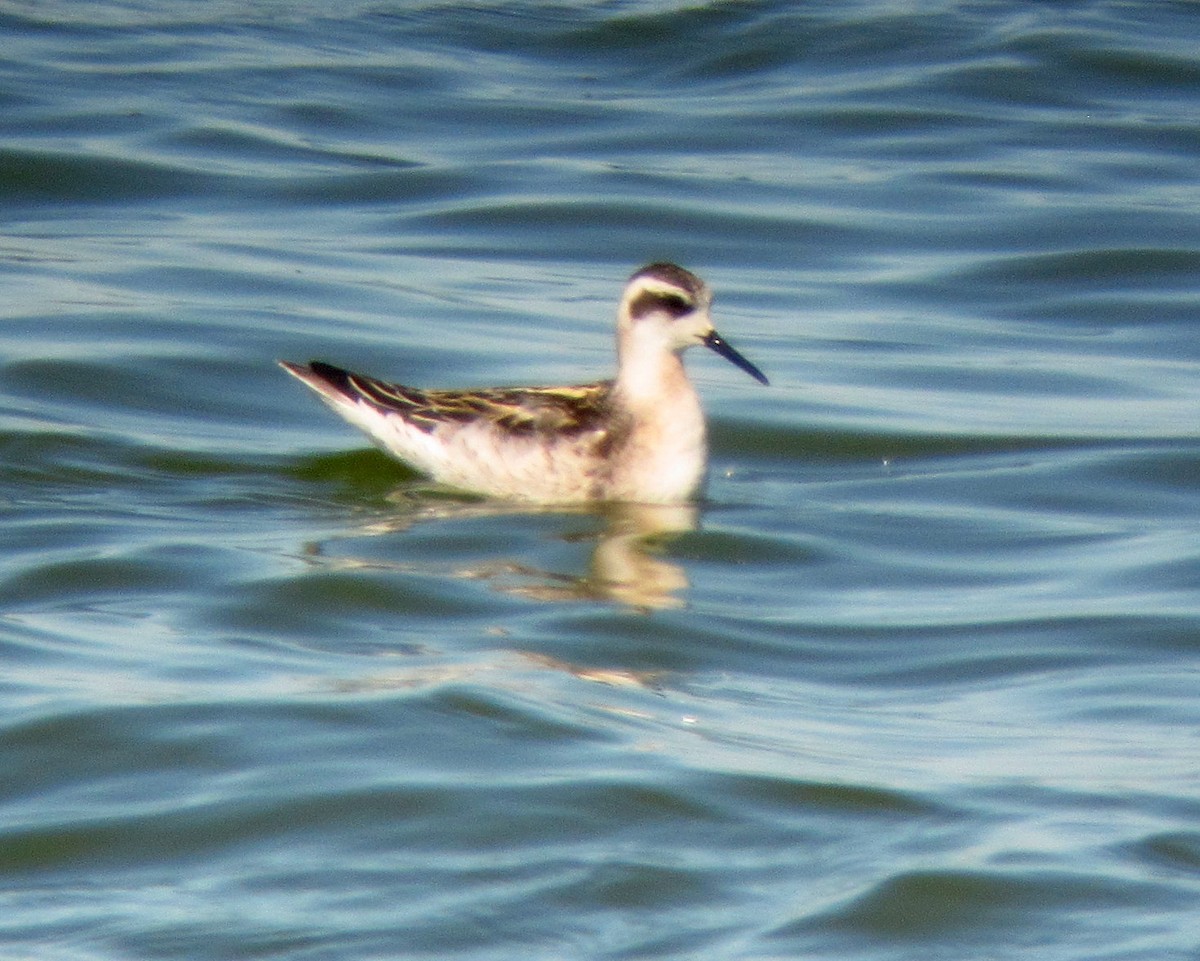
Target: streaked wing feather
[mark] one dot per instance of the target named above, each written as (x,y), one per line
(517,410)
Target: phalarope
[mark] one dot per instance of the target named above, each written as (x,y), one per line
(639,437)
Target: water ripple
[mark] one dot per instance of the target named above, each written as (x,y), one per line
(915,679)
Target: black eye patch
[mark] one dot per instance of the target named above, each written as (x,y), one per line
(649,300)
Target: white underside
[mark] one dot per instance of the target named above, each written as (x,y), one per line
(661,461)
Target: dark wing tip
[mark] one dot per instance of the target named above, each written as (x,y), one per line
(335,377)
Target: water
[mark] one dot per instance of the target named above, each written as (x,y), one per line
(917,681)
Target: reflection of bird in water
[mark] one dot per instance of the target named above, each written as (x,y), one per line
(624,567)
(638,438)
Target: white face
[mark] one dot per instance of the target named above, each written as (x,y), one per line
(675,315)
(666,308)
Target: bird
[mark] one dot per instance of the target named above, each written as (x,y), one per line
(639,437)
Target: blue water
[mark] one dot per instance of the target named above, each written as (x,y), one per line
(919,678)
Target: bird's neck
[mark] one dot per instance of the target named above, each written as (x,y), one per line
(654,380)
(664,438)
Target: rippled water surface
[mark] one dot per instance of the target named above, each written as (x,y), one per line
(917,680)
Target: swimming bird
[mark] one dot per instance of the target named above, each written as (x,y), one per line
(639,437)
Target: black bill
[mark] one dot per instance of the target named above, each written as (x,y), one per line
(714,343)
